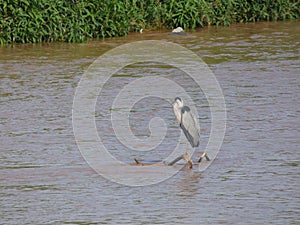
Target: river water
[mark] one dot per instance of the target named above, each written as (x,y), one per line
(254,179)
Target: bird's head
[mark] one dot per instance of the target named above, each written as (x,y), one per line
(178,102)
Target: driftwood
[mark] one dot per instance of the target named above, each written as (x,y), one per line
(186,156)
(202,156)
(138,162)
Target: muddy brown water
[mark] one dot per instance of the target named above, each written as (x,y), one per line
(254,179)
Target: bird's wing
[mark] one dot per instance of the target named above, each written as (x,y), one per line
(190,126)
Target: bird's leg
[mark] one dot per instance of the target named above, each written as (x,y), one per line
(183,156)
(202,156)
(188,158)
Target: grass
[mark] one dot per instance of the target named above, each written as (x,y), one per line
(33,21)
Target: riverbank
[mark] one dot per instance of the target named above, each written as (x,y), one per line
(26,21)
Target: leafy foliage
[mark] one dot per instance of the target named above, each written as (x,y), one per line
(32,21)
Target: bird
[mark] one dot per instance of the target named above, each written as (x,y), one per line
(177,30)
(189,125)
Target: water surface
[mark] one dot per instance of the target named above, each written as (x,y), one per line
(253,180)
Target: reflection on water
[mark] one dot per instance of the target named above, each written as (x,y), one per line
(254,179)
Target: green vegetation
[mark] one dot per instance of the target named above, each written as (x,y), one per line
(32,21)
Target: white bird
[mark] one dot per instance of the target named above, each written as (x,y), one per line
(177,30)
(189,125)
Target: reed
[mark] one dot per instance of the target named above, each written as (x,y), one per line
(32,21)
